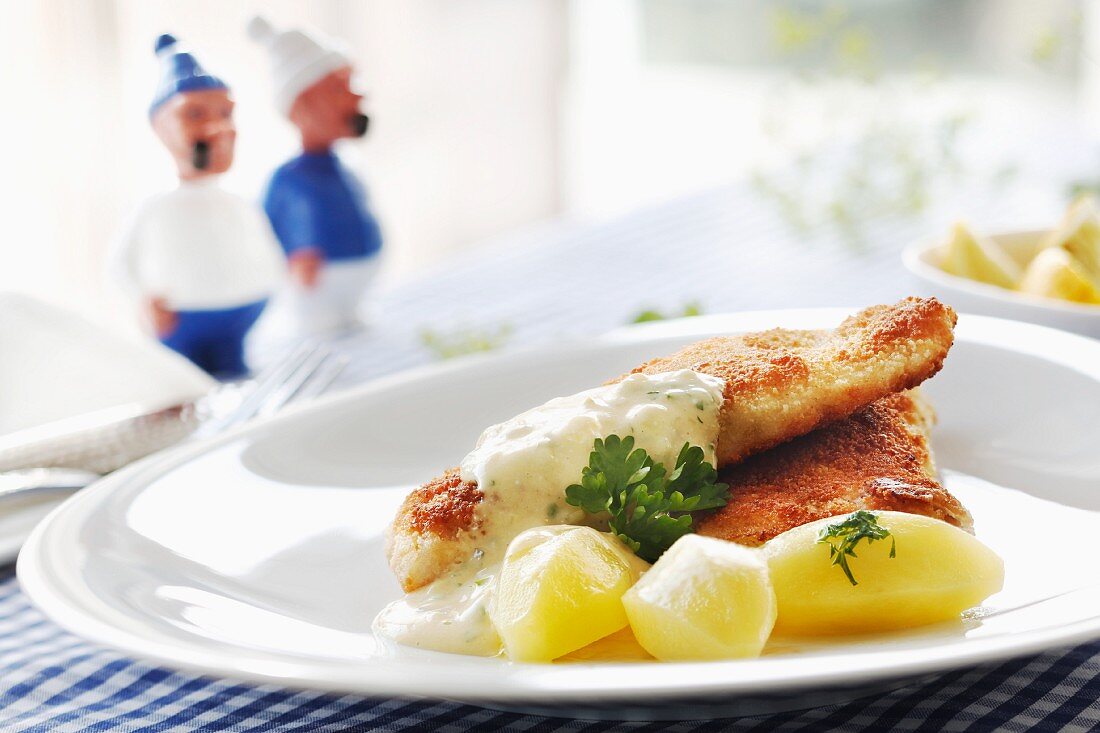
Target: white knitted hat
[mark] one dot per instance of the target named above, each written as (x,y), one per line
(298,59)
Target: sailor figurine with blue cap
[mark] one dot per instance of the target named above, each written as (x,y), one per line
(202,261)
(317,206)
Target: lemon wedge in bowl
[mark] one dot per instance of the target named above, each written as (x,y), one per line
(967,255)
(1055,273)
(1079,235)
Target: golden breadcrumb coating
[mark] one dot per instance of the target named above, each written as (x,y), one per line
(781,384)
(878,458)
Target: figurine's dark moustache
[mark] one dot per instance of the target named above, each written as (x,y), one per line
(359,123)
(200,155)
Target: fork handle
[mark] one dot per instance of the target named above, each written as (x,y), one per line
(39,484)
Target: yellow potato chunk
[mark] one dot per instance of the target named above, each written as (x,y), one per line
(1055,274)
(559,589)
(622,646)
(704,598)
(937,572)
(978,258)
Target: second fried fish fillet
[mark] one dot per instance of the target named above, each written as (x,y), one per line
(775,385)
(878,458)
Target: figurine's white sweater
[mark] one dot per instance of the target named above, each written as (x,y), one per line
(198,247)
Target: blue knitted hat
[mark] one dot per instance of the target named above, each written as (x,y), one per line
(180,72)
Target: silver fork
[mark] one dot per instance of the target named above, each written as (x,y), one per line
(305,372)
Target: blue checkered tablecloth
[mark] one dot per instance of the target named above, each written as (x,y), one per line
(724,249)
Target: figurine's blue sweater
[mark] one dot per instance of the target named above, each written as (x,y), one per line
(313,200)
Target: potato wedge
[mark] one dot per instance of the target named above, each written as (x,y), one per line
(704,598)
(621,646)
(937,572)
(560,589)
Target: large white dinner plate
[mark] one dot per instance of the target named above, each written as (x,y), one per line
(258,555)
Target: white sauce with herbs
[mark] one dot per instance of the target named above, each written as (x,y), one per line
(450,615)
(523,467)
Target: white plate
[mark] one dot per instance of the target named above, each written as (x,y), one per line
(258,555)
(921,258)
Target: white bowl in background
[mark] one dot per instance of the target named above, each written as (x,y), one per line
(922,259)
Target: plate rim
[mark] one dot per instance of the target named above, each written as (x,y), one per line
(406,676)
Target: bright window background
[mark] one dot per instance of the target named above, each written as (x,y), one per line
(821,102)
(490,116)
(463,144)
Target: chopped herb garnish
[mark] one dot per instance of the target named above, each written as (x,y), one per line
(463,340)
(649,507)
(688,310)
(843,537)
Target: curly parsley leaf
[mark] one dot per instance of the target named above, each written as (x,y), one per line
(694,482)
(843,537)
(649,508)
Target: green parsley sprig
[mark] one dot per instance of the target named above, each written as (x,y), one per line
(843,537)
(649,508)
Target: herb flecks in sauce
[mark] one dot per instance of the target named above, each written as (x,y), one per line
(524,464)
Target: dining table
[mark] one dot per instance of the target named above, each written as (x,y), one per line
(727,248)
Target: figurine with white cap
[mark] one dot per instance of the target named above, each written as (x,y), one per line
(317,206)
(202,261)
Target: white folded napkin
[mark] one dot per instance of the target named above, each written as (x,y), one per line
(56,365)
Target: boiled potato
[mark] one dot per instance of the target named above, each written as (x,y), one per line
(559,589)
(622,646)
(978,258)
(1054,273)
(938,571)
(703,599)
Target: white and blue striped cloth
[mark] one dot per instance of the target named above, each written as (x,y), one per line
(724,249)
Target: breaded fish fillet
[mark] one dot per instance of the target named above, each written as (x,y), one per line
(780,384)
(878,458)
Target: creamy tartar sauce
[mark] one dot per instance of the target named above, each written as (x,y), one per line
(450,615)
(523,467)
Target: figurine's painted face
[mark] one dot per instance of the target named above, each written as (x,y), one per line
(197,128)
(328,111)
